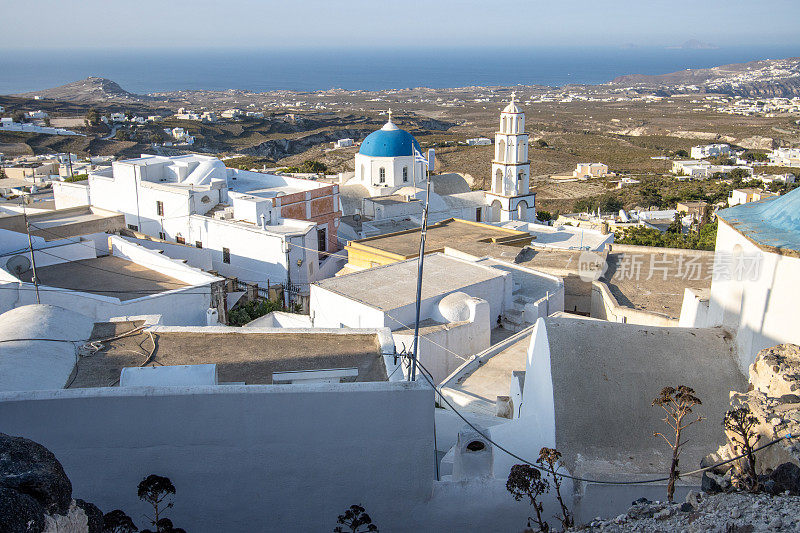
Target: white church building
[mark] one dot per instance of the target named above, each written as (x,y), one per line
(389,184)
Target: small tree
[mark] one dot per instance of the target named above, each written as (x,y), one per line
(742,423)
(677,403)
(549,458)
(92,117)
(314,166)
(525,480)
(354,518)
(117,521)
(155,490)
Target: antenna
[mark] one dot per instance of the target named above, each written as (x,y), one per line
(18,265)
(30,247)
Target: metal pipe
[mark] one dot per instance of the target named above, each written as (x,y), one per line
(420,262)
(30,246)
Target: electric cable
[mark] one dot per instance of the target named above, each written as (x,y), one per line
(425,374)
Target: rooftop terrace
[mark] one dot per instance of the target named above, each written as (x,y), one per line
(242,355)
(605,376)
(449,233)
(106,276)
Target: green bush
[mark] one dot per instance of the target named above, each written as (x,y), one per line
(703,239)
(251,310)
(76,177)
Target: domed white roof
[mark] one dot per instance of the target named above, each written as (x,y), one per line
(206,171)
(454,307)
(28,361)
(512,105)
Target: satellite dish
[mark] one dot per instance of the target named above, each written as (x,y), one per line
(18,265)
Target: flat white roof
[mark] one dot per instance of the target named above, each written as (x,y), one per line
(392,286)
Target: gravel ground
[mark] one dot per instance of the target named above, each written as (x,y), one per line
(734,512)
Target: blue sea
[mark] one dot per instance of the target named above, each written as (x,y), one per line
(150,70)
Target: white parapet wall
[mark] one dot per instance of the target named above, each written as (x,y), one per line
(242,457)
(154,260)
(606,307)
(70,194)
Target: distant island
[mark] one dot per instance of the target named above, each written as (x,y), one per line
(694,44)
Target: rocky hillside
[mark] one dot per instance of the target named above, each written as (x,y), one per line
(769,77)
(740,512)
(36,494)
(89,90)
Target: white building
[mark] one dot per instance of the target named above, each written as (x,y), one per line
(80,267)
(464,298)
(710,150)
(343,143)
(767,179)
(385,161)
(236,215)
(747,195)
(37,114)
(240,425)
(590,170)
(118,117)
(786,157)
(231,113)
(479,141)
(757,265)
(389,185)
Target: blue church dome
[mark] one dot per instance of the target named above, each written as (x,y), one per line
(389,141)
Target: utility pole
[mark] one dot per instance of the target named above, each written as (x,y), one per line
(420,262)
(30,247)
(69,163)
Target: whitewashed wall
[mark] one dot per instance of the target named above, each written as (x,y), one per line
(67,194)
(289,460)
(762,311)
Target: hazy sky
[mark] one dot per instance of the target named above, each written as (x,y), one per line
(405,23)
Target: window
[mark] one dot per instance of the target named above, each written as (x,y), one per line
(226,255)
(179,239)
(198,244)
(405,173)
(322,239)
(160,208)
(134,227)
(162,235)
(362,173)
(382,175)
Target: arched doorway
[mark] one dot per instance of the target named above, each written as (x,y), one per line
(501,151)
(522,210)
(498,182)
(496,207)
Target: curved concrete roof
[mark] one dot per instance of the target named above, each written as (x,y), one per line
(773,223)
(450,183)
(605,376)
(27,360)
(350,197)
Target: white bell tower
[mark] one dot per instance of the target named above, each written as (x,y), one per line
(511,169)
(510,197)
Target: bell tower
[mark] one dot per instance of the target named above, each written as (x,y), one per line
(510,167)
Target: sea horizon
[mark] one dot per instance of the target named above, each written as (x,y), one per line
(150,70)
